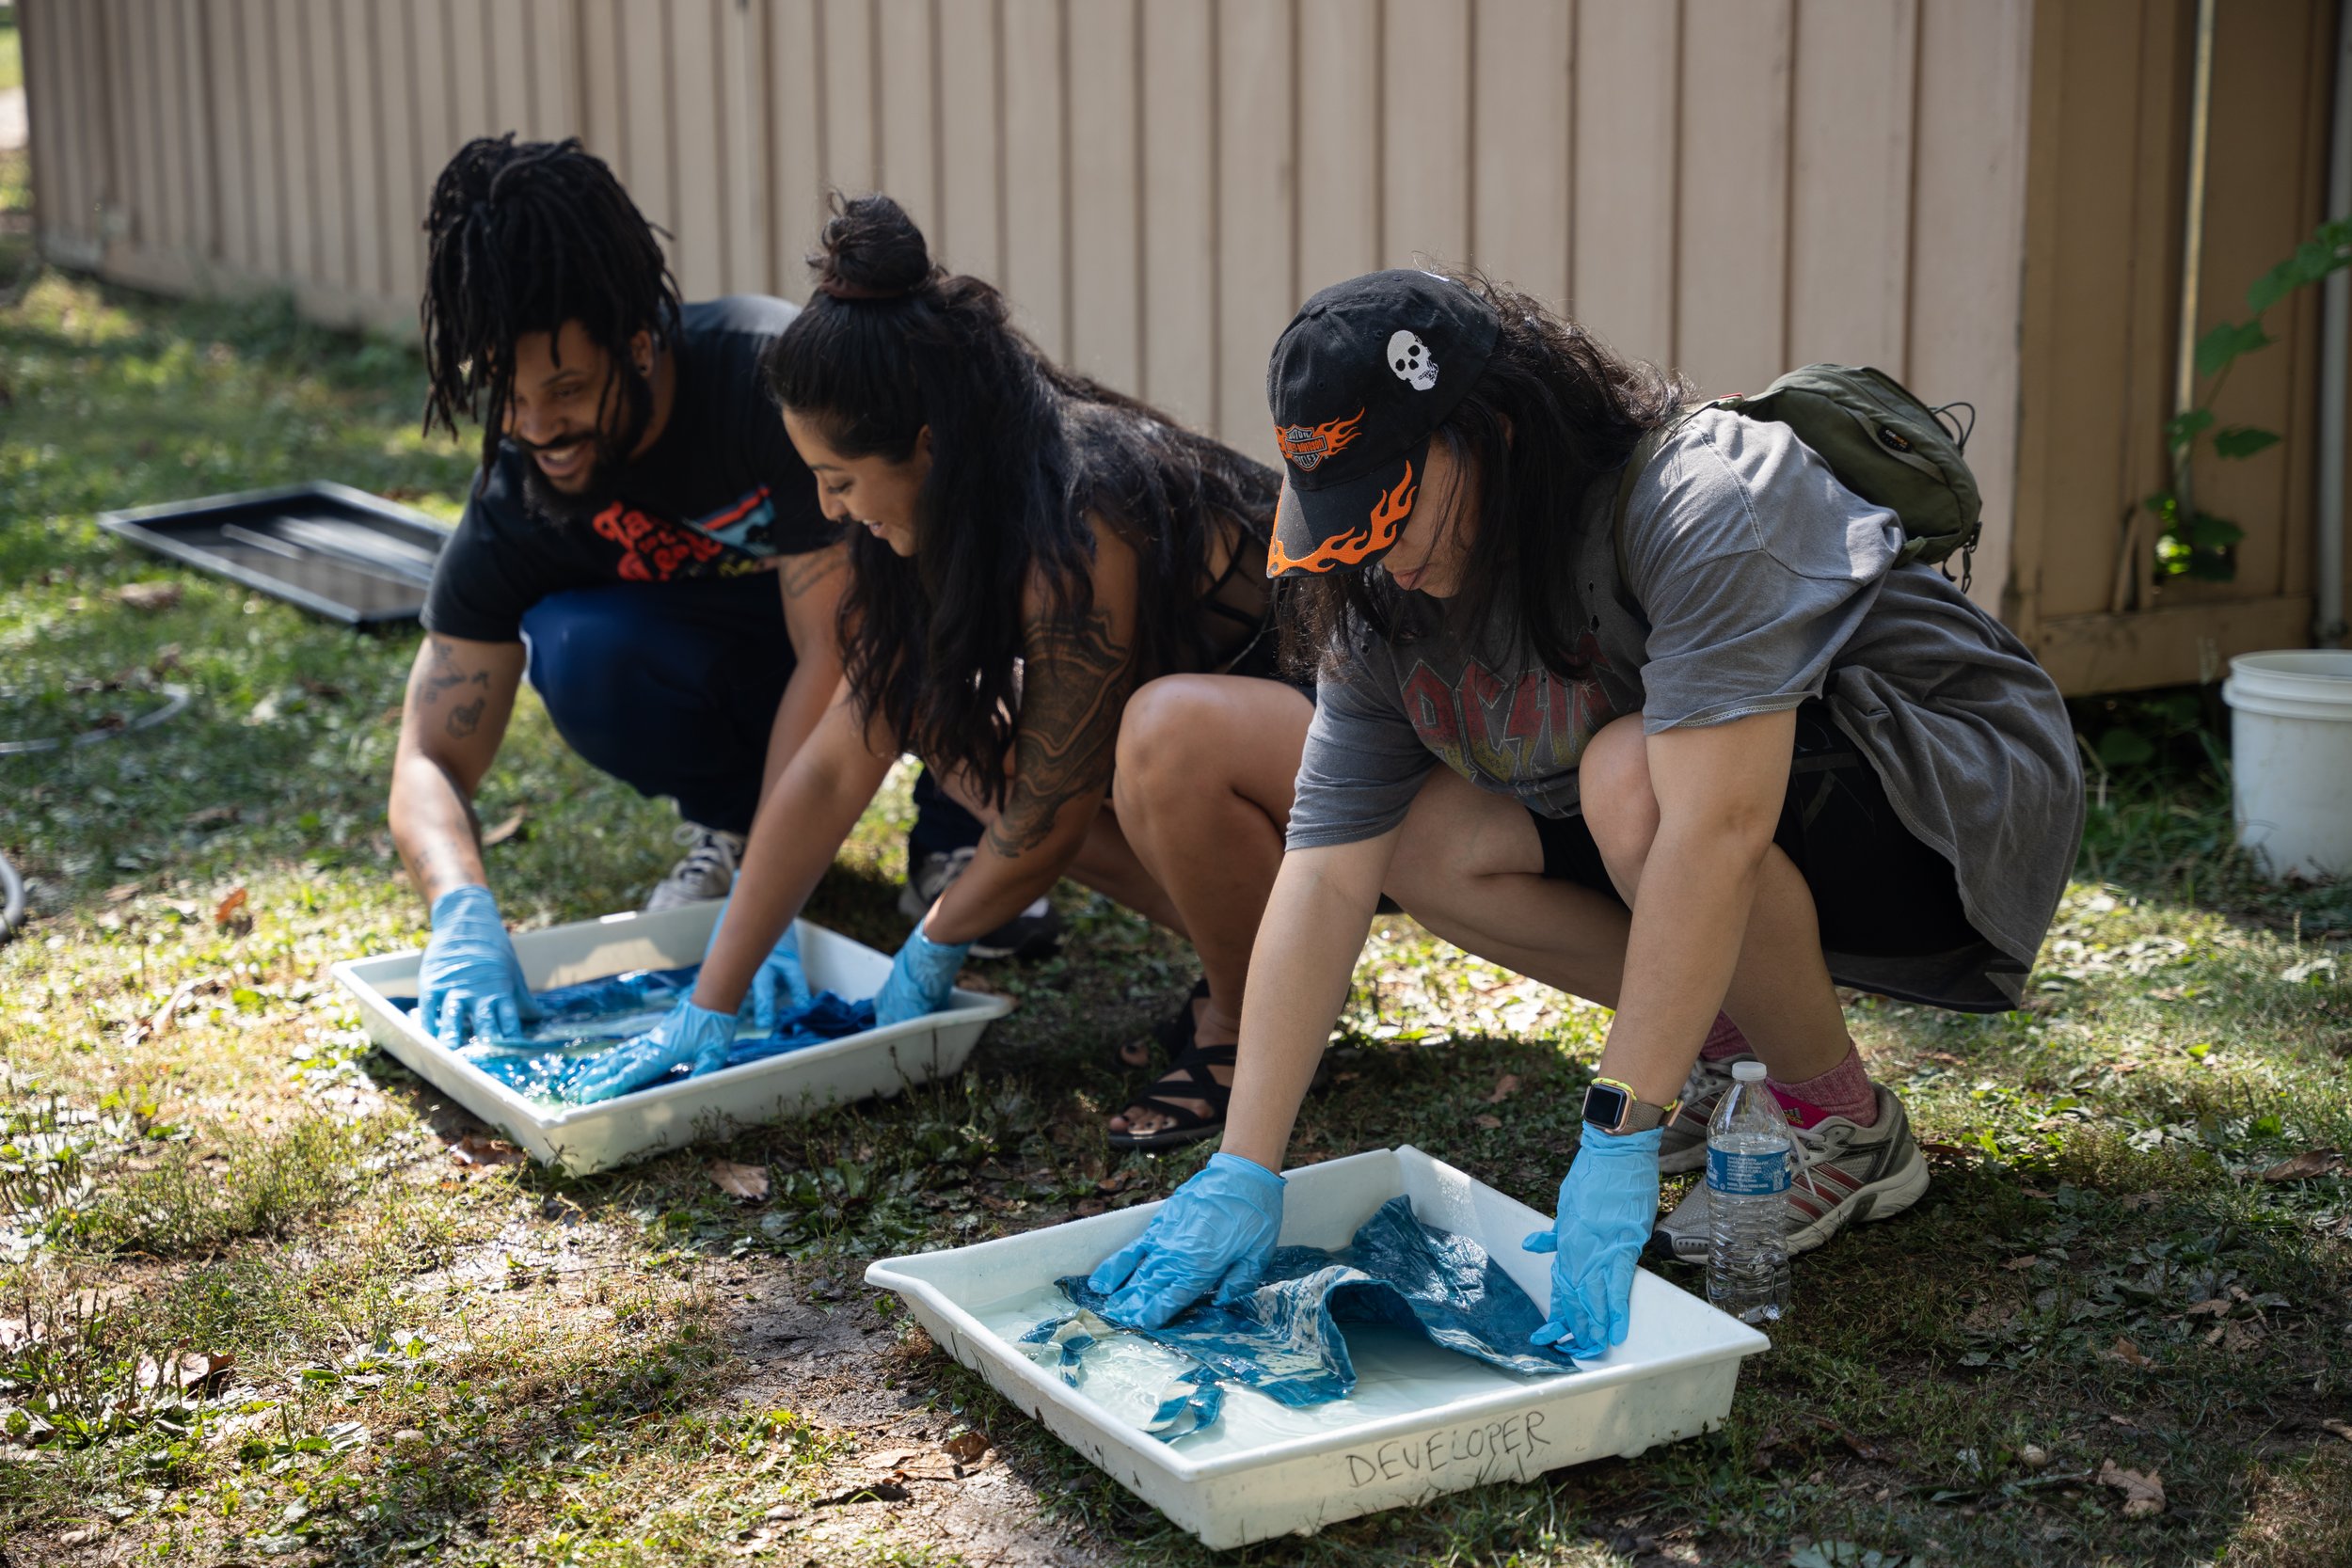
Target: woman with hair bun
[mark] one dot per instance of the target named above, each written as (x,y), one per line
(1059,601)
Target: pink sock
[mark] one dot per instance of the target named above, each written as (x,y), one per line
(1844,1090)
(1724,1042)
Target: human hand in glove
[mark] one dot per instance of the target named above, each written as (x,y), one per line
(1607,1207)
(1214,1233)
(691,1035)
(779,984)
(469,982)
(920,978)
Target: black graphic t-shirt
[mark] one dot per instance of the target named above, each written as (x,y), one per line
(722,492)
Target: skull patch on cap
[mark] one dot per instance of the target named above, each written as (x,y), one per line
(1410,358)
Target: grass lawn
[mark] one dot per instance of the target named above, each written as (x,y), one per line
(253,1304)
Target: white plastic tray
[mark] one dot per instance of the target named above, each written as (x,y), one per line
(1672,1378)
(584,1138)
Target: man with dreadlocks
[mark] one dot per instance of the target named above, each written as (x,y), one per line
(641,542)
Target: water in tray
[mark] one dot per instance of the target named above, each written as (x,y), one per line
(1398,1372)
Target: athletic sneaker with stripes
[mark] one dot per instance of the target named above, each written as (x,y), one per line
(1846,1173)
(1683,1147)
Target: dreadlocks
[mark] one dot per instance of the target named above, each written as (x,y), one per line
(522,238)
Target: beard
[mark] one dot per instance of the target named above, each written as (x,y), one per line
(600,486)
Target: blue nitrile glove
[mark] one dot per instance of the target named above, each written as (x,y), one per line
(1214,1233)
(1607,1207)
(779,983)
(469,982)
(920,978)
(690,1034)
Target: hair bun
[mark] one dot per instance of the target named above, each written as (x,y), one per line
(870,249)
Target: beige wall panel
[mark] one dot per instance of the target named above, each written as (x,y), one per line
(552,28)
(1732,229)
(649,133)
(1256,185)
(299,241)
(2258,208)
(910,68)
(1627,123)
(1966,288)
(44,80)
(325,94)
(513,67)
(602,94)
(1523,166)
(851,145)
(1180,274)
(131,39)
(1106,263)
(970,234)
(202,161)
(265,144)
(796,139)
(742,68)
(367,134)
(474,95)
(1425,133)
(1850,182)
(438,134)
(405,183)
(1036,172)
(229,105)
(1339,143)
(168,75)
(698,94)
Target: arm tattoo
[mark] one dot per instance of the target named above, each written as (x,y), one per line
(464,721)
(1073,690)
(443,674)
(804,572)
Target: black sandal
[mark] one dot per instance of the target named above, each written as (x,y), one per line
(1189,1075)
(1172,1034)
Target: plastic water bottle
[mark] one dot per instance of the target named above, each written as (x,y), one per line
(1750,1160)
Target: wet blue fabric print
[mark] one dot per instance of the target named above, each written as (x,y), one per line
(1286,1340)
(578,1024)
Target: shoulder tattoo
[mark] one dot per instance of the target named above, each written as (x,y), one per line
(1074,688)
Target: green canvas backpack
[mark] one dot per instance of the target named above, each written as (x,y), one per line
(1883,444)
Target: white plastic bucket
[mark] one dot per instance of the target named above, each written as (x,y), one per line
(2291,755)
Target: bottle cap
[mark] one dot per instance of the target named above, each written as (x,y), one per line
(1749,1072)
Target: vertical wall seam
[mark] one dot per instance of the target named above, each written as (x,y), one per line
(1381,142)
(873,95)
(1469,132)
(1004,166)
(1293,168)
(1069,159)
(1789,41)
(934,27)
(1674,211)
(1137,26)
(728,92)
(1567,238)
(669,96)
(1216,214)
(206,66)
(1909,336)
(619,150)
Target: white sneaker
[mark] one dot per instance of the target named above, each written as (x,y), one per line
(706,872)
(1032,933)
(1684,1145)
(1846,1174)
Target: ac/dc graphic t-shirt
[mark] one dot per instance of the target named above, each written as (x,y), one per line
(1753,581)
(720,491)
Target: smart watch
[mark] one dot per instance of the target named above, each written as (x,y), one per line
(1613,1107)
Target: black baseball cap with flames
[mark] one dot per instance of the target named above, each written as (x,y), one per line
(1362,377)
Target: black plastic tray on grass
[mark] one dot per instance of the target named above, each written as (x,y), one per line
(336,551)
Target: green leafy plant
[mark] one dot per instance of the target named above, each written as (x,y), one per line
(2192,542)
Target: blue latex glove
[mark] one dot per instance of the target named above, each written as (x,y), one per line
(778,984)
(469,982)
(1607,1207)
(1214,1233)
(690,1034)
(920,978)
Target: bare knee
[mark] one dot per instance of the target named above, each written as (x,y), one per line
(1167,734)
(1453,834)
(1614,783)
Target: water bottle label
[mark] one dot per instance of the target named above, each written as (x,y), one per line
(1745,1174)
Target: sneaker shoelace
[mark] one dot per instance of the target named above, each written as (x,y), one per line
(710,852)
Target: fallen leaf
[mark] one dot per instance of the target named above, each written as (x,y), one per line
(2215,1308)
(2311,1162)
(230,906)
(1489,1123)
(739,1180)
(149,596)
(2143,1494)
(504,831)
(185,1373)
(2129,1354)
(2237,1335)
(965,1447)
(475,1150)
(890,1459)
(122,893)
(1086,1208)
(2342,1428)
(1506,1087)
(2027,1261)
(161,1023)
(212,816)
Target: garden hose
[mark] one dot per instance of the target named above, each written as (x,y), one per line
(11,883)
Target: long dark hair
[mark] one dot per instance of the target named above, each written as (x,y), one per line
(1022,451)
(522,237)
(1554,412)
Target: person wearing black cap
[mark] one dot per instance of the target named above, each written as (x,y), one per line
(1058,600)
(1715,759)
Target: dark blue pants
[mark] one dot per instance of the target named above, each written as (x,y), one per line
(672,688)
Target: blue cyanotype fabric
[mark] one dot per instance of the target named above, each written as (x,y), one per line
(1285,1339)
(578,1024)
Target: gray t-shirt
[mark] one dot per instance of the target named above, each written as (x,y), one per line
(1760,581)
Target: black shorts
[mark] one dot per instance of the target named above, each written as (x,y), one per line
(1878,891)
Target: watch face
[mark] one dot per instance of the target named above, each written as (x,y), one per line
(1605,1106)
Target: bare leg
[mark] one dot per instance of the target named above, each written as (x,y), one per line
(1206,767)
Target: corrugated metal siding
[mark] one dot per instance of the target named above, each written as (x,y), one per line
(1734,186)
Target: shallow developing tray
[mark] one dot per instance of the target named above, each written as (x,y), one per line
(336,551)
(584,1138)
(1470,1425)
